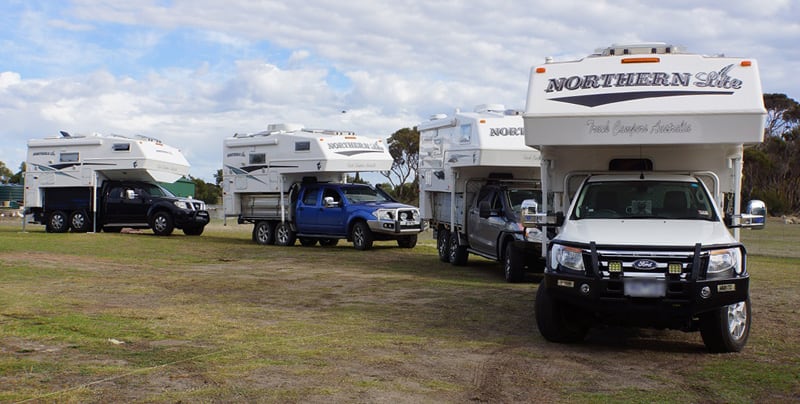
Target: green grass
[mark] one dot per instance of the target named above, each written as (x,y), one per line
(219,318)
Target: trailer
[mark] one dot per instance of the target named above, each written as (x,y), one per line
(642,149)
(91,182)
(475,171)
(290,183)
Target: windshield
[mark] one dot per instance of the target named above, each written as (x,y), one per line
(517,196)
(643,200)
(364,194)
(155,190)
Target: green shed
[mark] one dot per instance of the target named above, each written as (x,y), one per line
(182,187)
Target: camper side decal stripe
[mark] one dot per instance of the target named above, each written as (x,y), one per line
(595,100)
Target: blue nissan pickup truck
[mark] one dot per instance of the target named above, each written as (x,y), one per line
(317,212)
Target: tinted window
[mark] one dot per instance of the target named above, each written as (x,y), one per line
(643,200)
(310,197)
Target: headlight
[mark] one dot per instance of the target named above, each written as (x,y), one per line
(183,205)
(720,261)
(404,216)
(533,234)
(384,214)
(569,257)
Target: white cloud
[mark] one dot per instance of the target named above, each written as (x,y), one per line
(194,72)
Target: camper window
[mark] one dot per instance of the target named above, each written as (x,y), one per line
(258,158)
(121,147)
(466,134)
(69,157)
(302,146)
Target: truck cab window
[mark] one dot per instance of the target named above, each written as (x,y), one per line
(331,193)
(310,197)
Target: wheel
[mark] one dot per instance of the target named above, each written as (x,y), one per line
(458,253)
(162,224)
(727,328)
(264,233)
(308,242)
(556,321)
(193,230)
(328,242)
(362,236)
(80,222)
(284,236)
(443,245)
(407,241)
(513,266)
(57,222)
(112,229)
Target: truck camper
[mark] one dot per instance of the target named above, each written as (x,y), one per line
(91,182)
(475,171)
(641,149)
(289,182)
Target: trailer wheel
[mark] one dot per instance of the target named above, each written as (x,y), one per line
(556,321)
(443,245)
(193,230)
(162,224)
(328,242)
(284,236)
(726,329)
(458,253)
(264,232)
(79,221)
(407,241)
(57,222)
(308,242)
(513,267)
(362,236)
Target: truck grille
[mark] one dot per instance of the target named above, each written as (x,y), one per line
(646,263)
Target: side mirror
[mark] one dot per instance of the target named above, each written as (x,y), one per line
(484,210)
(754,216)
(328,202)
(130,194)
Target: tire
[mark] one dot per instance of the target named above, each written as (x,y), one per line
(193,230)
(284,236)
(308,242)
(727,328)
(556,321)
(362,236)
(80,222)
(407,241)
(112,229)
(443,245)
(162,224)
(264,232)
(57,222)
(513,267)
(328,242)
(458,253)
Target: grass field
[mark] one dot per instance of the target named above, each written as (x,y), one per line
(217,318)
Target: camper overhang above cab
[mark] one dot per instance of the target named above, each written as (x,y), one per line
(645,94)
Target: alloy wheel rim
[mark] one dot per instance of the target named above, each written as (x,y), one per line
(737,320)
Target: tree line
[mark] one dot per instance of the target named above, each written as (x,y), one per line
(771,168)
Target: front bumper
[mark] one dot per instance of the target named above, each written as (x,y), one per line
(395,227)
(191,218)
(672,300)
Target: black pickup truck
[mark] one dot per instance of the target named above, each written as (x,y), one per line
(119,204)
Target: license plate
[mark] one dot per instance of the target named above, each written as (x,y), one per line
(645,287)
(408,223)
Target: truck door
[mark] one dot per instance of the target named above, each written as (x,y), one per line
(483,231)
(308,210)
(112,205)
(332,215)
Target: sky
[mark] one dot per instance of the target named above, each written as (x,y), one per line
(193,72)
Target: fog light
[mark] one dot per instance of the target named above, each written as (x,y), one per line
(705,292)
(675,269)
(585,289)
(615,267)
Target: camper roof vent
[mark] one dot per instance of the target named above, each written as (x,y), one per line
(438,116)
(490,108)
(284,127)
(649,48)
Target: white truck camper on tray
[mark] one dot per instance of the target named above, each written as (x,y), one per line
(641,150)
(289,182)
(475,170)
(91,182)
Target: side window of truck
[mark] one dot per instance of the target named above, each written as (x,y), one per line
(310,197)
(329,192)
(116,194)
